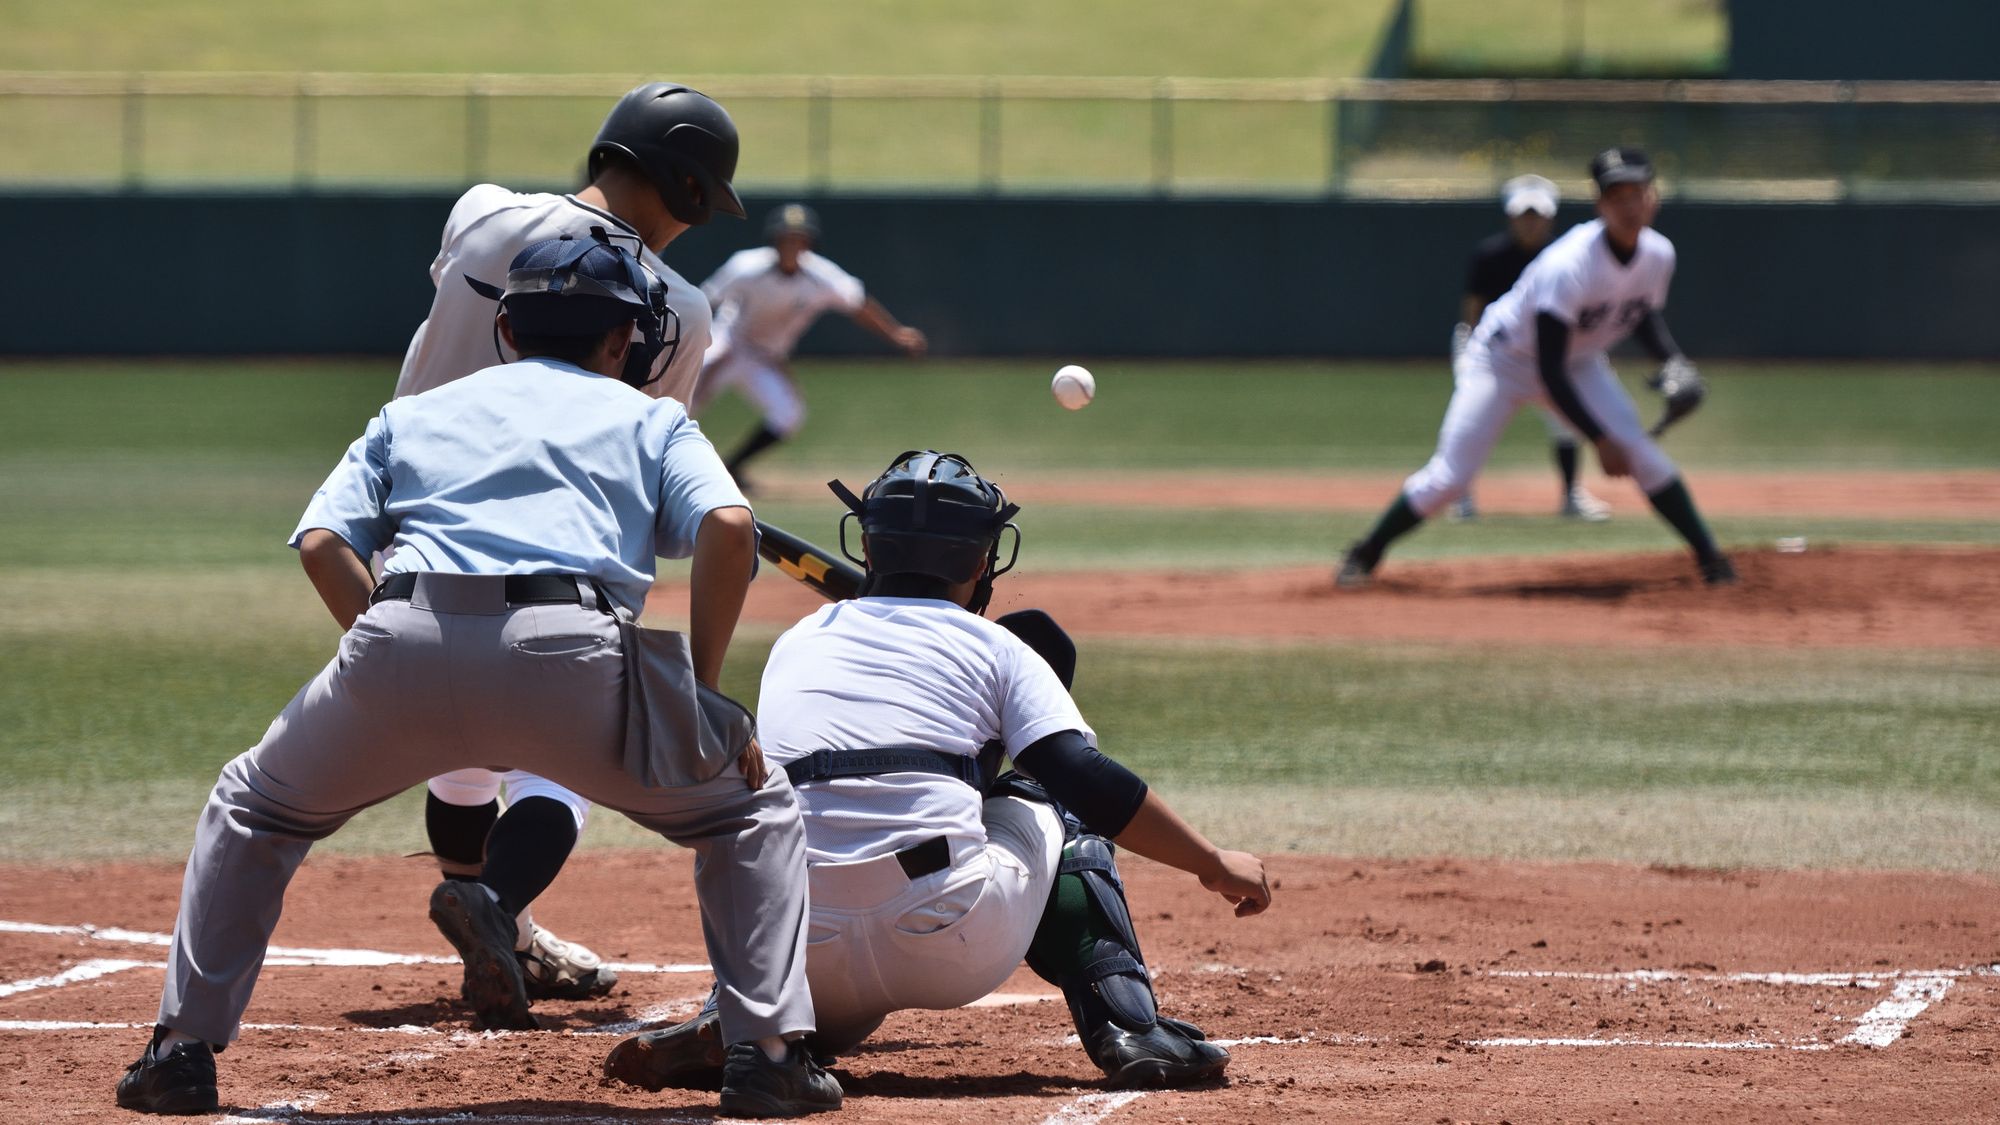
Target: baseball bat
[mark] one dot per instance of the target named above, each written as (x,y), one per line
(827,574)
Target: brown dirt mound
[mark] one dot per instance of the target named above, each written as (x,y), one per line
(1869,597)
(1373,991)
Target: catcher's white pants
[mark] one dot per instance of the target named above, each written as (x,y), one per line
(1489,388)
(878,941)
(452,677)
(760,379)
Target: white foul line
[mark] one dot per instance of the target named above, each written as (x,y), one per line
(1092,1108)
(86,970)
(1884,1023)
(1686,1044)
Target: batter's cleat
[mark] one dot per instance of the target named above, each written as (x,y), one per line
(1171,1053)
(182,1081)
(1718,571)
(469,918)
(1356,569)
(554,969)
(687,1056)
(1465,508)
(1581,505)
(754,1086)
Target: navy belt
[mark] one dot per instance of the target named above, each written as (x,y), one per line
(522,589)
(824,765)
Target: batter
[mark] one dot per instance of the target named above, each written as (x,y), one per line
(932,879)
(765,298)
(1545,341)
(525,503)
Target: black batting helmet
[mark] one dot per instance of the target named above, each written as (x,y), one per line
(792,218)
(586,287)
(672,133)
(932,514)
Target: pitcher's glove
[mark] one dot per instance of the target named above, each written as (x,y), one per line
(1682,386)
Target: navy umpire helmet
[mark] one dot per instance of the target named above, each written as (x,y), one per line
(673,133)
(792,218)
(932,514)
(569,287)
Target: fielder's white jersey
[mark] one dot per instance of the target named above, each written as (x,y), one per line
(490,225)
(760,307)
(897,673)
(1579,281)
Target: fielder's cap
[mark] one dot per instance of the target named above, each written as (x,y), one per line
(792,218)
(1530,193)
(1621,166)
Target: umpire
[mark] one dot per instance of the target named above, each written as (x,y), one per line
(525,503)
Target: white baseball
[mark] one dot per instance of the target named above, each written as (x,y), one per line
(1074,387)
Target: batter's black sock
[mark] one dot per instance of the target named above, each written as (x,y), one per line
(756,443)
(1399,520)
(527,849)
(1566,464)
(1677,508)
(458,834)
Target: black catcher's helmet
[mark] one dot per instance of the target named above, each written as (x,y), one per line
(932,514)
(674,132)
(792,218)
(585,287)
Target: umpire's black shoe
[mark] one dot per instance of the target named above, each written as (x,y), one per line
(687,1056)
(1172,1053)
(180,1081)
(754,1086)
(469,917)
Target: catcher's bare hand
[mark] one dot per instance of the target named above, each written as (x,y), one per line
(751,762)
(1240,878)
(1612,456)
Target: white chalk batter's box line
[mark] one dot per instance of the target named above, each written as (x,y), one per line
(1912,991)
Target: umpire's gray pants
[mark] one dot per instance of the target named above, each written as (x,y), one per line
(452,678)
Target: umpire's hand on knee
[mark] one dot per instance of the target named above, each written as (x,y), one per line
(1612,456)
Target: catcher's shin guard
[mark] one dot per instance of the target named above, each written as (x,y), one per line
(1086,946)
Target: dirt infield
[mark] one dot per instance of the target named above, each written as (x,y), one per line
(1373,991)
(1861,596)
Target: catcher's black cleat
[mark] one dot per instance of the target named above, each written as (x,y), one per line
(687,1056)
(182,1081)
(467,915)
(1718,571)
(1171,1053)
(754,1086)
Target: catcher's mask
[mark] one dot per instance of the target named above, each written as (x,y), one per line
(584,287)
(932,514)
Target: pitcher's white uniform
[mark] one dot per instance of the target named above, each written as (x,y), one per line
(899,673)
(487,227)
(1580,282)
(760,313)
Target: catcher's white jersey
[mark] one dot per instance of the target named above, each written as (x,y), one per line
(881,673)
(1580,282)
(762,308)
(487,227)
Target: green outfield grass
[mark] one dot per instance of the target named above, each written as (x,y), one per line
(155,623)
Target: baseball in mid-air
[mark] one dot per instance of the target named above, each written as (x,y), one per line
(1074,387)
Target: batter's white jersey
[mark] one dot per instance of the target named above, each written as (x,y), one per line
(880,673)
(1580,282)
(762,308)
(490,225)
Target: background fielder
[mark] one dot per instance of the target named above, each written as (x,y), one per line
(661,163)
(1545,341)
(1496,264)
(931,879)
(765,298)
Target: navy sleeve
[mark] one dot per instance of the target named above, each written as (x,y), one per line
(1652,335)
(1102,793)
(1552,354)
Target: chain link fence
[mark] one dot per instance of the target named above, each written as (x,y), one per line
(1363,138)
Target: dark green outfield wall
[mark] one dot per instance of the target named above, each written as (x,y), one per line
(237,274)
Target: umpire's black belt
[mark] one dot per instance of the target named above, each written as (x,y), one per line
(522,589)
(824,765)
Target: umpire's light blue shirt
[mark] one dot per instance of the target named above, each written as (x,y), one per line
(535,467)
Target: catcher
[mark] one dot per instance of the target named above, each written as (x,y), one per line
(931,878)
(1545,341)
